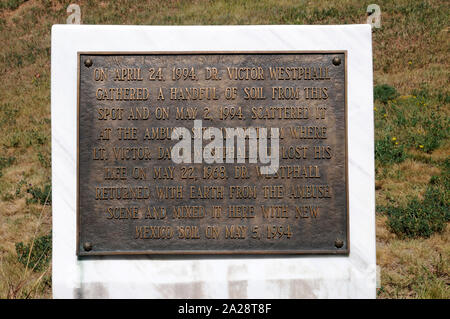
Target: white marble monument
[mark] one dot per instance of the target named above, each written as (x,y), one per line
(298,276)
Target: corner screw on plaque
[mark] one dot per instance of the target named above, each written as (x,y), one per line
(336,61)
(87,246)
(88,62)
(338,243)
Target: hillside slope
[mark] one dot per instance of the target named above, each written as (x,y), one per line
(411,112)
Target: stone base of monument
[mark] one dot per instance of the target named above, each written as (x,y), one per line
(351,275)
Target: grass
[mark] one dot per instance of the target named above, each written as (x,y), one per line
(412,268)
(420,218)
(411,74)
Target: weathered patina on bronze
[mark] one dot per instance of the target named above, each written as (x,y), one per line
(133,199)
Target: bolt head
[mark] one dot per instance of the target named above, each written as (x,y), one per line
(88,63)
(338,243)
(336,61)
(87,246)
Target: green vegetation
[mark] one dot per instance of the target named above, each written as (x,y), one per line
(384,93)
(42,196)
(11,4)
(388,151)
(419,218)
(36,255)
(6,162)
(411,93)
(412,122)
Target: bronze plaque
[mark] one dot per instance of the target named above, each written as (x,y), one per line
(144,190)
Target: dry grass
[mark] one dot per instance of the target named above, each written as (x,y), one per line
(413,268)
(18,280)
(410,53)
(400,182)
